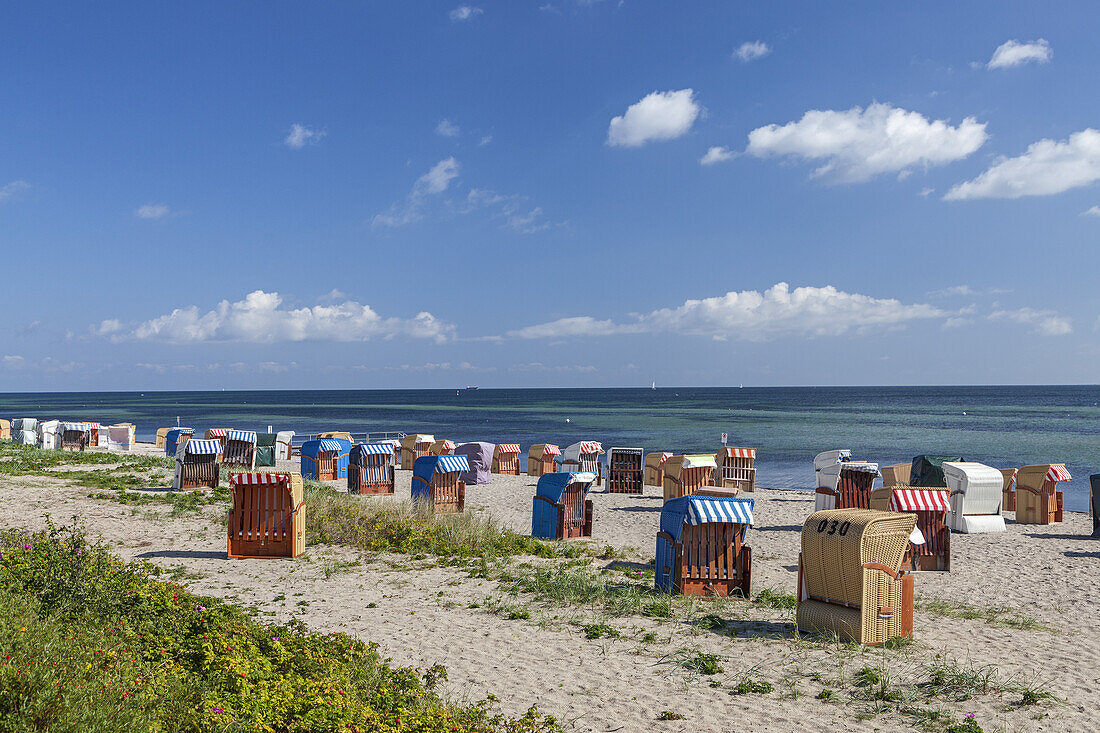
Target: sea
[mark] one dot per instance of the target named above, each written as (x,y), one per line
(998,426)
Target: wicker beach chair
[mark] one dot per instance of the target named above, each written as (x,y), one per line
(442,447)
(932,550)
(162,435)
(120,437)
(284,445)
(896,474)
(217,434)
(540,458)
(852,486)
(337,434)
(5,429)
(49,435)
(625,469)
(1094,503)
(240,449)
(176,438)
(370,469)
(325,459)
(701,547)
(686,474)
(1008,489)
(850,577)
(436,483)
(583,457)
(927,470)
(412,447)
(197,464)
(561,508)
(24,431)
(654,474)
(976,494)
(74,436)
(267,517)
(736,469)
(506,459)
(1038,500)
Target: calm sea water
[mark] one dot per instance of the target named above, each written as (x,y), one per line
(1000,426)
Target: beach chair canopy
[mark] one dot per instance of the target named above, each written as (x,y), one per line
(256,478)
(506,449)
(417,439)
(24,424)
(360,451)
(480,457)
(542,451)
(75,427)
(312,448)
(216,433)
(553,485)
(172,439)
(982,486)
(428,466)
(657,460)
(675,465)
(695,509)
(728,452)
(829,457)
(265,440)
(443,444)
(585,447)
(927,470)
(242,436)
(919,500)
(202,447)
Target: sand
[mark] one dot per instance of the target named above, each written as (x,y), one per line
(424,615)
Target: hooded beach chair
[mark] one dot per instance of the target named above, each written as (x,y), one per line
(701,547)
(267,517)
(24,431)
(583,457)
(850,580)
(74,436)
(162,435)
(686,474)
(930,545)
(976,493)
(49,435)
(325,459)
(853,482)
(370,469)
(414,446)
(120,437)
(217,434)
(197,464)
(240,449)
(284,445)
(5,429)
(442,448)
(736,468)
(337,434)
(265,449)
(561,509)
(1094,503)
(175,438)
(625,469)
(480,457)
(928,470)
(436,482)
(896,474)
(654,474)
(540,458)
(1038,500)
(1008,489)
(506,459)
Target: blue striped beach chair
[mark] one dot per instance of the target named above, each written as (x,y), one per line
(561,509)
(370,469)
(437,482)
(325,459)
(700,548)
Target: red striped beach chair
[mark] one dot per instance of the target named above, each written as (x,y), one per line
(506,459)
(932,549)
(268,516)
(736,468)
(1038,500)
(540,458)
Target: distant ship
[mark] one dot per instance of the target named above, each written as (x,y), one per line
(471,386)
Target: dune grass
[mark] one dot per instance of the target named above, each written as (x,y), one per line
(998,616)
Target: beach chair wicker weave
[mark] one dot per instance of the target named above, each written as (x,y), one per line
(5,429)
(561,509)
(655,468)
(1038,500)
(736,469)
(267,517)
(700,545)
(1008,489)
(540,458)
(442,448)
(686,474)
(850,582)
(506,459)
(414,446)
(162,435)
(370,469)
(436,483)
(896,474)
(624,471)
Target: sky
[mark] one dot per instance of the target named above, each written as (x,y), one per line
(573,193)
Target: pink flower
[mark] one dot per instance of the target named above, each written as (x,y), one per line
(218,711)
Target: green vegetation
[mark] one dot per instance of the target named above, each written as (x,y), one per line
(91,644)
(599,631)
(584,586)
(23,460)
(749,686)
(776,599)
(669,715)
(701,663)
(999,616)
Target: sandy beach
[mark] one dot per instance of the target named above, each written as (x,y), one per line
(423,614)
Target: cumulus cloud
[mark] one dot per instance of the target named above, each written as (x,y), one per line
(1047,167)
(1045,322)
(300,136)
(752,50)
(1016,53)
(14,361)
(717,154)
(261,318)
(1091,211)
(446,128)
(11,189)
(465,12)
(435,181)
(152,211)
(858,144)
(658,116)
(753,316)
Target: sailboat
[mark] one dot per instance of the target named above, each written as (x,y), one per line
(653,385)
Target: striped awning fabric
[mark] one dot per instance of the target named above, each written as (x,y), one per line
(859,466)
(245,436)
(448,445)
(508,447)
(329,444)
(93,426)
(916,500)
(703,510)
(376,449)
(739,452)
(551,450)
(591,446)
(447,464)
(218,432)
(80,426)
(664,457)
(203,447)
(183,431)
(1058,472)
(256,479)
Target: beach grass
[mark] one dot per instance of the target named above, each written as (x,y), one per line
(998,616)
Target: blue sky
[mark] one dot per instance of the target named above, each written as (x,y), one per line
(282,195)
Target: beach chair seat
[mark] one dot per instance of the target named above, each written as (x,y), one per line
(655,469)
(848,485)
(267,518)
(736,468)
(700,545)
(240,449)
(561,509)
(325,459)
(540,458)
(506,459)
(414,446)
(583,457)
(370,469)
(437,484)
(976,492)
(197,464)
(625,469)
(688,473)
(930,548)
(850,580)
(1038,500)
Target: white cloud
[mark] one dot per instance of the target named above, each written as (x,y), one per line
(1091,211)
(752,50)
(926,192)
(658,116)
(858,144)
(1015,53)
(446,128)
(261,318)
(10,189)
(753,316)
(300,136)
(511,208)
(435,181)
(1045,322)
(14,361)
(152,211)
(485,140)
(717,154)
(465,12)
(1047,167)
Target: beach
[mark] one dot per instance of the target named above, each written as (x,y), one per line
(422,613)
